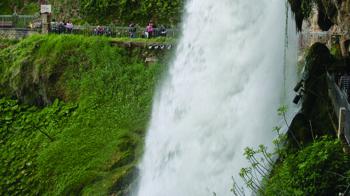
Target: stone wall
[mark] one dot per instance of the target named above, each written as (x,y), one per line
(10,33)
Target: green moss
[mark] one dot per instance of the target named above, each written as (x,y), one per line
(336,51)
(96,147)
(24,130)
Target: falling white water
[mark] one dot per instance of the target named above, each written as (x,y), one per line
(220,95)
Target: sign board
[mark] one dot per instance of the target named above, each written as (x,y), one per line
(45,9)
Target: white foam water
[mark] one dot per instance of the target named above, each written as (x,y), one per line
(219,96)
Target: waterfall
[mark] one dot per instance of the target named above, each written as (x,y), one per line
(220,95)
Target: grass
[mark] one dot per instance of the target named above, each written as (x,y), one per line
(98,143)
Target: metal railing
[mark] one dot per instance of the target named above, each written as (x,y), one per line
(339,100)
(112,31)
(33,22)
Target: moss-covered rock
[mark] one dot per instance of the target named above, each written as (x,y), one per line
(317,112)
(40,69)
(97,144)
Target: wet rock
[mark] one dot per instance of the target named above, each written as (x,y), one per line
(317,111)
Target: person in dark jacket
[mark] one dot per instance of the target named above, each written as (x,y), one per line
(162,31)
(132,30)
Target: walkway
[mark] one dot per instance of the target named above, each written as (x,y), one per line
(341,107)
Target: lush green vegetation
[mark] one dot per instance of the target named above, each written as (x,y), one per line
(20,6)
(319,167)
(4,43)
(125,11)
(105,12)
(24,130)
(89,142)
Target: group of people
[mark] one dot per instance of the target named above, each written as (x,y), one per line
(150,31)
(61,27)
(100,30)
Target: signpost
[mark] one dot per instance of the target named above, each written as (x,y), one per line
(45,11)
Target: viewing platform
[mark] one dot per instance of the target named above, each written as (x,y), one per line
(129,43)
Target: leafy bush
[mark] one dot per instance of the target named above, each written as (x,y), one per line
(321,168)
(318,169)
(21,6)
(120,12)
(168,12)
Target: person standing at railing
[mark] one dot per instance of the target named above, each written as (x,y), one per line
(54,26)
(149,30)
(99,30)
(61,27)
(14,19)
(132,30)
(96,30)
(344,83)
(69,27)
(107,31)
(162,31)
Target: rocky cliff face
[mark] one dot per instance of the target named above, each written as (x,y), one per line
(330,13)
(333,18)
(324,21)
(338,12)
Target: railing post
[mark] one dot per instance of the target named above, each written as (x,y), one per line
(45,11)
(341,123)
(14,19)
(45,23)
(341,129)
